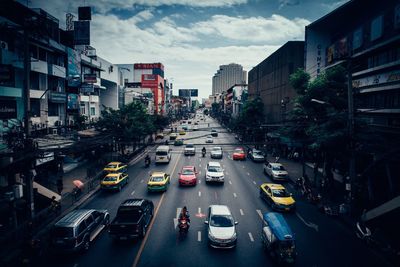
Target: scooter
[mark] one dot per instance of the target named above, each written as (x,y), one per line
(146,163)
(203,153)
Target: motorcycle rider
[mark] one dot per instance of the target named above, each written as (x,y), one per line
(203,150)
(147,160)
(184,215)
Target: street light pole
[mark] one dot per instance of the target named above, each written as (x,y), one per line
(350,100)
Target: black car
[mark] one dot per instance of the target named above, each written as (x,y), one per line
(77,229)
(133,218)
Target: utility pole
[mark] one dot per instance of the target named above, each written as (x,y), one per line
(350,122)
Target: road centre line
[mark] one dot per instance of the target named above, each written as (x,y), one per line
(230,182)
(199,193)
(241,212)
(260,214)
(254,182)
(248,174)
(142,181)
(251,237)
(133,192)
(199,210)
(199,236)
(234,194)
(199,181)
(139,254)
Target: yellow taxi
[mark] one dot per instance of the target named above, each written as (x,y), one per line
(114,181)
(182,132)
(115,166)
(277,197)
(158,181)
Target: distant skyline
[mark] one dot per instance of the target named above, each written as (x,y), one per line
(192,38)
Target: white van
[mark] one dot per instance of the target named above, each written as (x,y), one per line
(163,154)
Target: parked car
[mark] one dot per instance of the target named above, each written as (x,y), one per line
(214,172)
(188,176)
(221,227)
(276,171)
(158,181)
(115,166)
(160,136)
(173,136)
(178,142)
(277,197)
(114,181)
(190,149)
(182,132)
(132,219)
(216,152)
(209,139)
(238,154)
(76,230)
(256,155)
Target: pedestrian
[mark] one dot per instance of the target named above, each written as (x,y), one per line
(60,186)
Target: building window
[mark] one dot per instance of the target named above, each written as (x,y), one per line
(92,111)
(83,110)
(397,17)
(53,109)
(357,38)
(376,28)
(35,107)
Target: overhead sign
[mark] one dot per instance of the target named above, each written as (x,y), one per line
(141,66)
(47,157)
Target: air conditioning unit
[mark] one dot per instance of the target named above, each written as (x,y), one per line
(4,45)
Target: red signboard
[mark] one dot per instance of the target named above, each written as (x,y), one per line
(141,66)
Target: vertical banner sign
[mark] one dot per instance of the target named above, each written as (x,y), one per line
(82,32)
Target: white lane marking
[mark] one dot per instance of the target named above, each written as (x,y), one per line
(199,172)
(178,211)
(259,213)
(248,174)
(199,181)
(230,182)
(234,194)
(243,166)
(227,173)
(200,159)
(241,212)
(133,192)
(142,181)
(199,210)
(309,224)
(254,182)
(199,236)
(199,193)
(251,237)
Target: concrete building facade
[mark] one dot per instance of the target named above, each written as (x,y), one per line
(227,76)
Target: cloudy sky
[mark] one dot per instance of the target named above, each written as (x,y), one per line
(192,37)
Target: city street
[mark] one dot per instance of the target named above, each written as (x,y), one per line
(320,240)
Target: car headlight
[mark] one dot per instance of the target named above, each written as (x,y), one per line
(208,176)
(211,237)
(233,236)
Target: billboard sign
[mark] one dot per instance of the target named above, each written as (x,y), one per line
(90,78)
(87,88)
(82,32)
(73,102)
(74,68)
(188,92)
(8,109)
(57,97)
(141,66)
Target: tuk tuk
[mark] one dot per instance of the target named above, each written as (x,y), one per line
(277,238)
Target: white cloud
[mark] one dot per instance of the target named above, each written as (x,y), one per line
(334,5)
(284,3)
(274,29)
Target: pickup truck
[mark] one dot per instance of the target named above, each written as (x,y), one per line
(132,220)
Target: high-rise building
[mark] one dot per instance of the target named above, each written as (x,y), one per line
(227,76)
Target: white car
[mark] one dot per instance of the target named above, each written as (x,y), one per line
(221,227)
(216,152)
(214,172)
(189,150)
(276,171)
(209,139)
(256,155)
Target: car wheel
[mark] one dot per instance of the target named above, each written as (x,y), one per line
(86,244)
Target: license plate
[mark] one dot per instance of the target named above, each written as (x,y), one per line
(161,157)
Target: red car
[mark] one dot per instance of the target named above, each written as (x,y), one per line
(188,176)
(239,154)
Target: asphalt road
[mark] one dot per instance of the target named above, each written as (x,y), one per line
(320,240)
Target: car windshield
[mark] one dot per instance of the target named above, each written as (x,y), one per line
(280,193)
(221,221)
(63,232)
(214,169)
(187,172)
(257,153)
(189,146)
(156,179)
(112,166)
(238,150)
(216,149)
(161,153)
(209,137)
(110,179)
(278,168)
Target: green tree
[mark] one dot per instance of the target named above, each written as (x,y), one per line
(250,118)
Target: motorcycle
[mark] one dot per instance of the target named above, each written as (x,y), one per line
(203,153)
(183,226)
